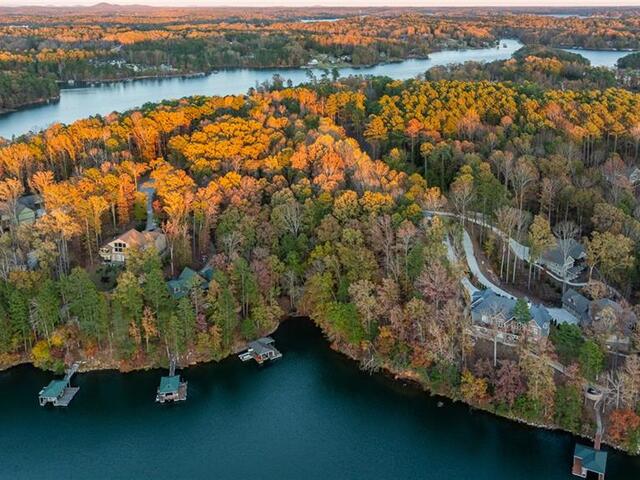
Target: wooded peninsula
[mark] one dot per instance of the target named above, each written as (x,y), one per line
(476,231)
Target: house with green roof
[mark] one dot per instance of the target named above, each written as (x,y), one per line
(189,279)
(587,459)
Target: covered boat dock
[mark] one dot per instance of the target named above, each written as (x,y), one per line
(261,350)
(59,393)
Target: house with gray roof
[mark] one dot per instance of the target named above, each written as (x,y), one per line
(487,307)
(576,304)
(605,315)
(568,268)
(28,209)
(615,321)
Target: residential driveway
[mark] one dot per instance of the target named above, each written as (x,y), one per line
(560,315)
(451,255)
(148,189)
(474,268)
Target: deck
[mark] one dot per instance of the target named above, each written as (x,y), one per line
(66,397)
(59,393)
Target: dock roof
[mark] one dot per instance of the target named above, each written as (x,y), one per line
(54,389)
(593,460)
(169,384)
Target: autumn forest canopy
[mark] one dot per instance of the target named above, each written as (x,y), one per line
(187,228)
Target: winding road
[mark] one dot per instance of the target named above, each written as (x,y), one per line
(558,314)
(519,250)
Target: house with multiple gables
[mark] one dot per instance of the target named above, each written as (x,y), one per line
(488,307)
(188,280)
(570,267)
(605,315)
(116,250)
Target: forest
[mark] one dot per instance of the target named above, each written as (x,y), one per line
(43,46)
(312,201)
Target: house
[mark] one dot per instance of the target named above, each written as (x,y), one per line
(540,321)
(604,315)
(614,321)
(189,279)
(576,304)
(487,305)
(568,268)
(116,250)
(28,209)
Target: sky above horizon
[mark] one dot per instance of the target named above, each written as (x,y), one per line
(330,3)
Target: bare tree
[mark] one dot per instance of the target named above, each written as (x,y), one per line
(565,233)
(507,218)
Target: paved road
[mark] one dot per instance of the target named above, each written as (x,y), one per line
(148,189)
(559,314)
(519,250)
(474,268)
(451,255)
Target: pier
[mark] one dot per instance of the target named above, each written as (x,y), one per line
(172,388)
(587,459)
(261,350)
(59,393)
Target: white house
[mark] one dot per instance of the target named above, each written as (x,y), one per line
(116,250)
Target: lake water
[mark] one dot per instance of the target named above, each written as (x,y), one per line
(79,103)
(312,415)
(600,58)
(82,102)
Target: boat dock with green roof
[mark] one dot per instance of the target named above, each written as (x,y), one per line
(172,388)
(59,393)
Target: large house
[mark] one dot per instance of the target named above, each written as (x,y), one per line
(487,307)
(29,208)
(116,250)
(604,315)
(568,268)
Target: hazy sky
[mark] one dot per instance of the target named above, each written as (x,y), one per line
(359,3)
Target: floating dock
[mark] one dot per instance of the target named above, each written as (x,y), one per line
(59,393)
(261,350)
(172,388)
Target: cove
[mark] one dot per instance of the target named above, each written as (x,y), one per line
(312,415)
(77,103)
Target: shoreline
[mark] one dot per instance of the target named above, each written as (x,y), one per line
(413,379)
(32,104)
(92,83)
(406,378)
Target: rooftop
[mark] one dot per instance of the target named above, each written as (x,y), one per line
(262,345)
(555,254)
(54,389)
(169,384)
(593,460)
(577,301)
(488,303)
(134,238)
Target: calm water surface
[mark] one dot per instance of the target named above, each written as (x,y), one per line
(83,102)
(103,99)
(600,58)
(311,415)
